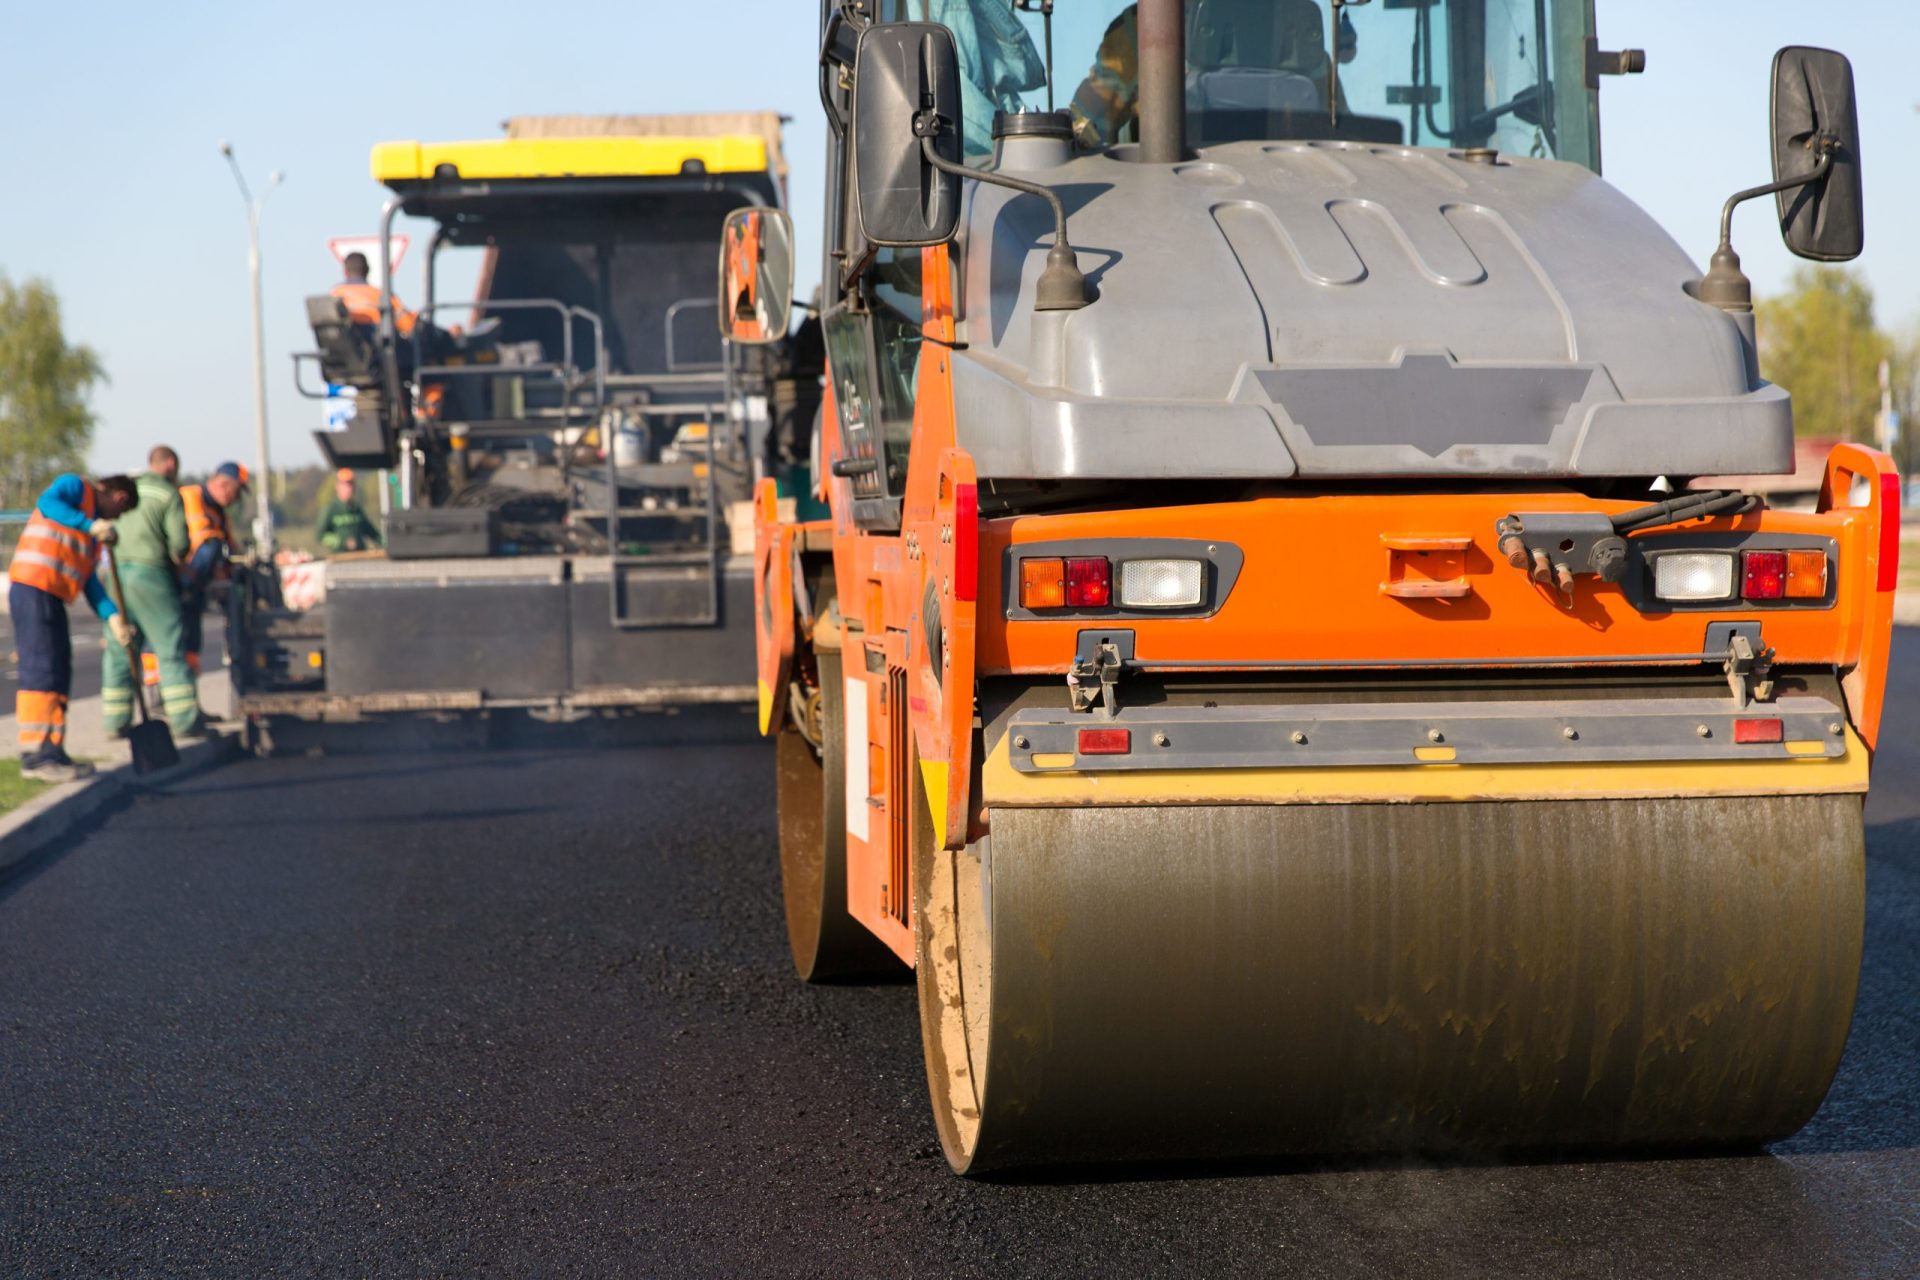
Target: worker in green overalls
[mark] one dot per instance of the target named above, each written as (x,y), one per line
(344,526)
(152,545)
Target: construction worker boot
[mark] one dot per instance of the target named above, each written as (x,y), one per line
(54,766)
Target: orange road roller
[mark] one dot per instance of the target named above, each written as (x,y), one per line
(1262,640)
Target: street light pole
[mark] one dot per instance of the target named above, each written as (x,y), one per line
(263,480)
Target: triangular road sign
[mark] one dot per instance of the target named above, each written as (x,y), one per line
(369,245)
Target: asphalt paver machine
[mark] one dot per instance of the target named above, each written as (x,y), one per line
(572,447)
(1269,668)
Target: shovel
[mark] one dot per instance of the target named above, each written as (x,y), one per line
(151,740)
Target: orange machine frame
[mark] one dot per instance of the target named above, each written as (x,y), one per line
(1319,585)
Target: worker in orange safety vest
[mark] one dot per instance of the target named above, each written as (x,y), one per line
(209,543)
(363,298)
(53,566)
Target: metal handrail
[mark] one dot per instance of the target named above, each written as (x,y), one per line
(711,444)
(570,373)
(299,360)
(561,309)
(673,312)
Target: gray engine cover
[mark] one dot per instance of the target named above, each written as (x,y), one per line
(1336,309)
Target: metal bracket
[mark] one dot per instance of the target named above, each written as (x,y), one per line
(1555,547)
(1749,663)
(1094,680)
(1602,62)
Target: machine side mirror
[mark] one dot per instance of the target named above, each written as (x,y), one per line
(756,276)
(1814,120)
(906,87)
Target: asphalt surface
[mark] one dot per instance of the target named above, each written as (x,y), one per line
(529,1012)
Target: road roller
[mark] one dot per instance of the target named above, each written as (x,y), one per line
(1264,641)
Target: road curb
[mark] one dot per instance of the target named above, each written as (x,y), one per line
(1906,609)
(50,817)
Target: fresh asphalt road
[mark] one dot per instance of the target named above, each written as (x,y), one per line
(529,1012)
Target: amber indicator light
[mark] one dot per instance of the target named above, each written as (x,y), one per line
(1806,575)
(1043,583)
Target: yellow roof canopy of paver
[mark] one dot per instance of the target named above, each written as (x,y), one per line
(503,159)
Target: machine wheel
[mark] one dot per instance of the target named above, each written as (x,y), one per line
(826,941)
(1113,983)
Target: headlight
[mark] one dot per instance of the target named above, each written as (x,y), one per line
(1161,584)
(1693,576)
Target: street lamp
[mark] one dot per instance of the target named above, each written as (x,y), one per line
(262,500)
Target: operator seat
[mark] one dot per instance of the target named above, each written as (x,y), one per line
(1261,69)
(1289,35)
(347,355)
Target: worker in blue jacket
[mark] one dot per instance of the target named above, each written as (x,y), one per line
(53,566)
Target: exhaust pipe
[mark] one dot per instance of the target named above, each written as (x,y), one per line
(1163,81)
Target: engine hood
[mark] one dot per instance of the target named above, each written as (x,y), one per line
(1335,309)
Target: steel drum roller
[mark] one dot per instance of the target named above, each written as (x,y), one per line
(1123,983)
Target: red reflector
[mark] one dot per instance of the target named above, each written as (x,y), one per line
(1758,731)
(1089,583)
(1112,742)
(1889,576)
(966,541)
(1764,575)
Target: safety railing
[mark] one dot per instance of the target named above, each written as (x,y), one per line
(571,376)
(674,362)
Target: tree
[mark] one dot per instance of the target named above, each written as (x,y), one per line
(45,422)
(1906,400)
(1819,341)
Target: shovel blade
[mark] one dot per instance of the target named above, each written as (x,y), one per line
(153,748)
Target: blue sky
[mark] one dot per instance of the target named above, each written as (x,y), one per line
(115,191)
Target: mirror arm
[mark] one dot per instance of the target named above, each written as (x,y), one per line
(1062,287)
(1725,285)
(850,275)
(1824,143)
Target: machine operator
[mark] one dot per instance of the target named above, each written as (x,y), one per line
(1279,35)
(363,297)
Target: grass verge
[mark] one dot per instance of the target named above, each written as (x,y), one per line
(14,789)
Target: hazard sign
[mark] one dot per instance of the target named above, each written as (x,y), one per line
(370,246)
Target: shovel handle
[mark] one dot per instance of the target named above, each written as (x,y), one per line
(133,659)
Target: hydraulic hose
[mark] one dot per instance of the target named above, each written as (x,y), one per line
(1686,506)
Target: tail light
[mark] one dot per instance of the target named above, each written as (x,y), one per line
(1756,731)
(1089,583)
(1096,578)
(1763,575)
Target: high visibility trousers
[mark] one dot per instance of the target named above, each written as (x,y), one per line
(153,606)
(45,668)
